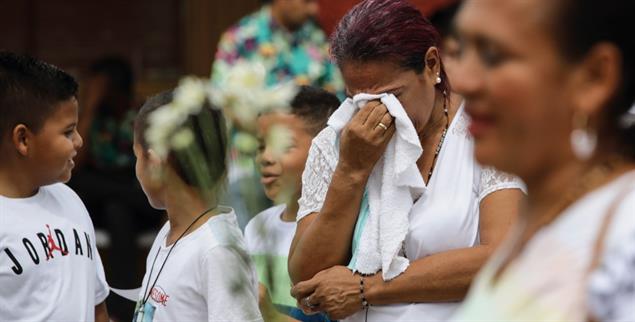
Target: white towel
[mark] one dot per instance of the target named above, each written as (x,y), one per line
(393,185)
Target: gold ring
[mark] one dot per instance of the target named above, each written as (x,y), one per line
(383,126)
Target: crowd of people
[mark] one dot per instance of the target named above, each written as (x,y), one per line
(484,173)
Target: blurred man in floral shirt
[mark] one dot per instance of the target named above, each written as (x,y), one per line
(285,38)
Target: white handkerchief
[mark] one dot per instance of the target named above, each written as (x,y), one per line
(393,185)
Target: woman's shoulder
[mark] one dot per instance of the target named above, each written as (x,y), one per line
(617,199)
(490,180)
(612,285)
(324,148)
(325,139)
(622,225)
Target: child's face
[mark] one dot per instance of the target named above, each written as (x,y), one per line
(146,163)
(52,149)
(149,181)
(282,173)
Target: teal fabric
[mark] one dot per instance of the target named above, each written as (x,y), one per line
(364,210)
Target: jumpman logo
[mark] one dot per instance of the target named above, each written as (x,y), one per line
(52,245)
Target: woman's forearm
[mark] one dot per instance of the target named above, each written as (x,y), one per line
(324,240)
(442,277)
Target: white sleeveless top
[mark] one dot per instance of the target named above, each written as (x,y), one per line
(445,217)
(550,281)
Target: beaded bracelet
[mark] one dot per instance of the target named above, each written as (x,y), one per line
(361,293)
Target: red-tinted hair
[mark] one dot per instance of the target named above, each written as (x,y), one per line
(386,30)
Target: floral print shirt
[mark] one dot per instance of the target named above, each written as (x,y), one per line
(301,55)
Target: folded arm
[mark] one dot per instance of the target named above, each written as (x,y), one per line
(441,277)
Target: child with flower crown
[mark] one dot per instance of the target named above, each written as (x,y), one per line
(197,268)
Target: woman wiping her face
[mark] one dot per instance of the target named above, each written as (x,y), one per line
(457,211)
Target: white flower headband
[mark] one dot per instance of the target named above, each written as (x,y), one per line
(242,92)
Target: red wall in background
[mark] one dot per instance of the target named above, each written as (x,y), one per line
(331,11)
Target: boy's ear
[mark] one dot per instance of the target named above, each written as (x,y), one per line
(20,138)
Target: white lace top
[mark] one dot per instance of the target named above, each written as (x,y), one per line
(445,217)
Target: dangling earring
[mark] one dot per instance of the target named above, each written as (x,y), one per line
(438,81)
(583,138)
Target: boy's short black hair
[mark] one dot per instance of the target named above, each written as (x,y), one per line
(30,91)
(210,136)
(314,106)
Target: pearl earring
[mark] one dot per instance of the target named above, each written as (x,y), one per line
(583,138)
(438,81)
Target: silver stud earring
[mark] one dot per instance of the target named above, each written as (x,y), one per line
(438,81)
(583,138)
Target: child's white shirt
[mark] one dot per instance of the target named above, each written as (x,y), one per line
(207,277)
(50,269)
(268,240)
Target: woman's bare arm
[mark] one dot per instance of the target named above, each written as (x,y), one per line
(324,240)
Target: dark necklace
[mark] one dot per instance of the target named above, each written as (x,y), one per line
(445,131)
(146,294)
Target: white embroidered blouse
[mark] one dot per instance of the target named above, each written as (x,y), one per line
(445,217)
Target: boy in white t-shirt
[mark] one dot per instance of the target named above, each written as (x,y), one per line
(50,269)
(198,268)
(269,234)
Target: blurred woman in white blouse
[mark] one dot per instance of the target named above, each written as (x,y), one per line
(548,85)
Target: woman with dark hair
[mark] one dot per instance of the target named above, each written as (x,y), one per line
(550,83)
(453,224)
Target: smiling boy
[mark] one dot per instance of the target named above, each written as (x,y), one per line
(50,269)
(269,234)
